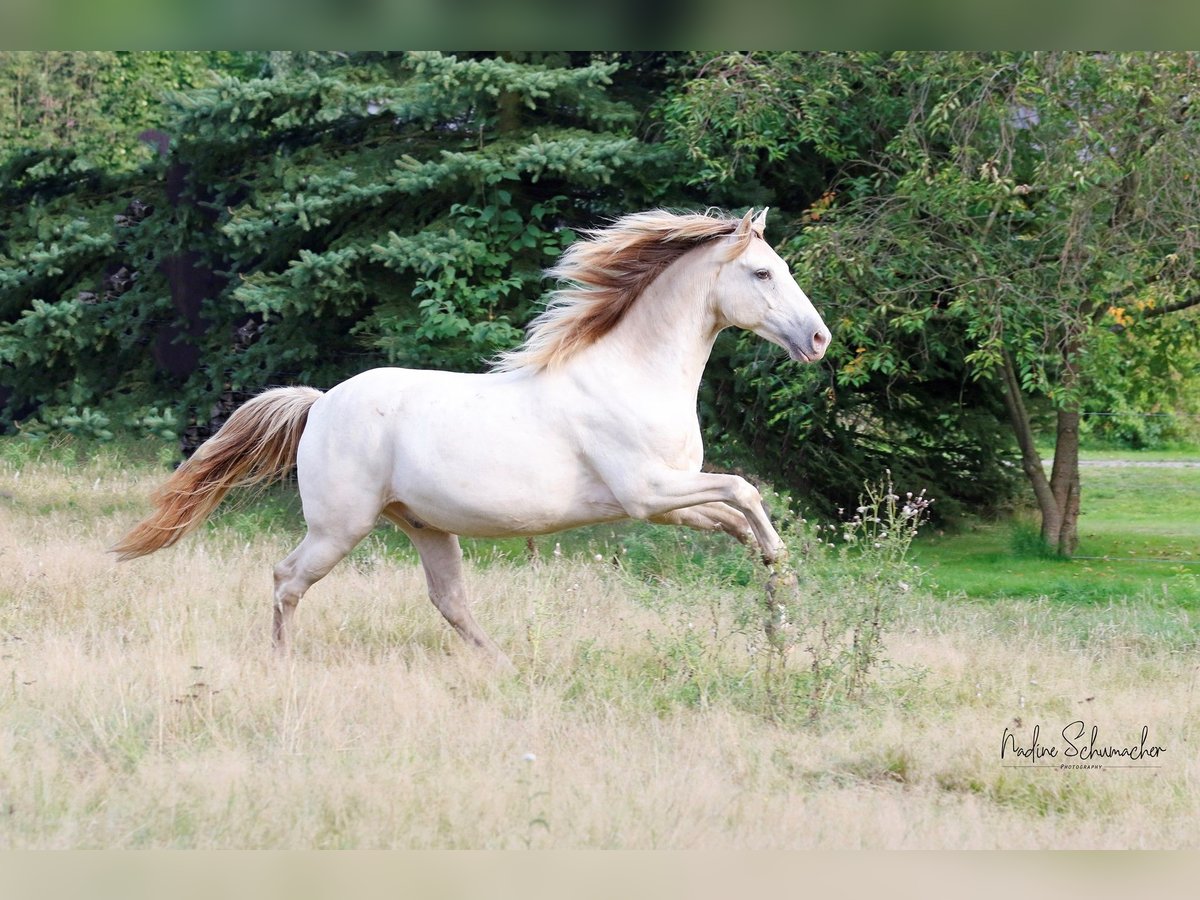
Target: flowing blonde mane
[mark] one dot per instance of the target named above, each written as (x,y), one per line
(605,274)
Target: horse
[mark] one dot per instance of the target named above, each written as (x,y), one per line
(592,419)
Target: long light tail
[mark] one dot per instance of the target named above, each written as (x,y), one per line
(257,444)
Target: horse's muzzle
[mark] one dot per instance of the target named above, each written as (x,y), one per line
(810,349)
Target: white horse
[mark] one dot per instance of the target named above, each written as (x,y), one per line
(592,419)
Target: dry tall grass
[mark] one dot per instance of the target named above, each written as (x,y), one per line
(141,707)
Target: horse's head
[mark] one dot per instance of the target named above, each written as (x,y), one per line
(754,290)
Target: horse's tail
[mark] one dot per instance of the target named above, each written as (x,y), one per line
(257,444)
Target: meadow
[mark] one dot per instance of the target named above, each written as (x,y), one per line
(1139,534)
(141,706)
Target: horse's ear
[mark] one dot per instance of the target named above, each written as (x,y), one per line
(741,236)
(745,225)
(760,221)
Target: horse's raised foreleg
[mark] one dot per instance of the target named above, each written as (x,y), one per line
(666,491)
(441,557)
(710,517)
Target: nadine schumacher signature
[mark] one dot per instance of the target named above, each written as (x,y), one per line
(1082,750)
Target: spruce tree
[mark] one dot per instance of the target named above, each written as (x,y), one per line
(81,301)
(343,211)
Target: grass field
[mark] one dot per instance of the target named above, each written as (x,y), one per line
(1139,542)
(140,705)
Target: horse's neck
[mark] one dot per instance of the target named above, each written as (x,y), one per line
(666,337)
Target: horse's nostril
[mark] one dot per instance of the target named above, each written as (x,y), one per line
(820,339)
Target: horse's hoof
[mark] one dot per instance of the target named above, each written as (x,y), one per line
(774,555)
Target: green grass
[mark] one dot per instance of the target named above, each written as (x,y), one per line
(1180,453)
(1104,452)
(1139,541)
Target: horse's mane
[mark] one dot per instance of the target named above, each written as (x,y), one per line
(605,273)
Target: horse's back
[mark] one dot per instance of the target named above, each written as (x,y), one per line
(370,418)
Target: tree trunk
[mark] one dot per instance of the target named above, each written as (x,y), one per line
(1064,484)
(1064,475)
(1057,496)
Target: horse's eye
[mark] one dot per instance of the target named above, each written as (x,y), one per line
(762,274)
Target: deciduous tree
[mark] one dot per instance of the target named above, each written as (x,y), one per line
(1037,200)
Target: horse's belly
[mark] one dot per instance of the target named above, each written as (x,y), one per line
(493,524)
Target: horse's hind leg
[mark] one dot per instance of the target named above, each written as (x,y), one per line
(319,552)
(441,557)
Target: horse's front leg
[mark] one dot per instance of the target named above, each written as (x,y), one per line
(441,557)
(666,491)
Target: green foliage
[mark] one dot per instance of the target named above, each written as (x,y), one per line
(472,283)
(357,210)
(94,424)
(1023,198)
(1025,193)
(94,103)
(778,124)
(77,310)
(911,406)
(82,298)
(1141,389)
